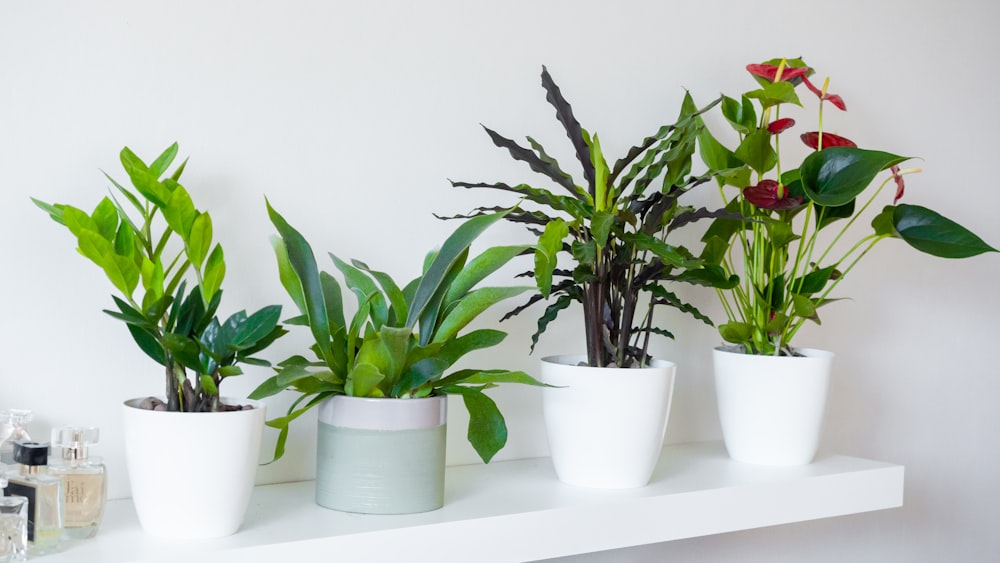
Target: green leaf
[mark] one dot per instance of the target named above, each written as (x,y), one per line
(827,215)
(833,177)
(564,113)
(162,162)
(215,271)
(453,349)
(491,260)
(756,151)
(803,306)
(428,369)
(813,282)
(363,381)
(334,300)
(289,279)
(774,93)
(199,240)
(282,423)
(492,377)
(709,275)
(208,385)
(736,332)
(883,222)
(145,181)
(180,213)
(929,232)
(365,290)
(487,428)
(105,216)
(546,253)
(255,327)
(600,227)
(740,114)
(268,388)
(390,290)
(122,271)
(603,193)
(303,263)
(470,307)
(453,249)
(550,314)
(585,253)
(542,164)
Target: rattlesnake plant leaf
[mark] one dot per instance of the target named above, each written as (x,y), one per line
(537,164)
(564,113)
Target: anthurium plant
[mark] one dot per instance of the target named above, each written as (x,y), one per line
(799,218)
(152,242)
(403,340)
(613,227)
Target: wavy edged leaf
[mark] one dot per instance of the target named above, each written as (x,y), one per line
(930,232)
(546,167)
(663,297)
(834,176)
(564,113)
(550,314)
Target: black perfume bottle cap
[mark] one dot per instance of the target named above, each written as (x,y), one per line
(31,453)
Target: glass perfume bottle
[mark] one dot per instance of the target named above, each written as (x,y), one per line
(13,524)
(44,494)
(12,429)
(84,481)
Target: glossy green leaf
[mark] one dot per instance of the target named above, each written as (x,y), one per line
(547,253)
(883,222)
(334,300)
(471,306)
(487,428)
(215,272)
(180,213)
(803,306)
(199,240)
(162,162)
(105,216)
(143,179)
(828,215)
(774,93)
(256,326)
(426,370)
(492,377)
(929,232)
(740,114)
(709,275)
(833,177)
(208,385)
(756,151)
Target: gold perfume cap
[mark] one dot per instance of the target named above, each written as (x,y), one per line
(74,440)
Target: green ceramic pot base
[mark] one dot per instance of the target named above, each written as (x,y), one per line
(380,471)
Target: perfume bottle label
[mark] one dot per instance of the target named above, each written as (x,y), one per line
(82,499)
(17,489)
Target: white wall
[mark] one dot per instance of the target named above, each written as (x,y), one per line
(350,116)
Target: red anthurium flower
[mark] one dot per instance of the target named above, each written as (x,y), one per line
(832,98)
(779,125)
(899,183)
(770,72)
(769,194)
(811,140)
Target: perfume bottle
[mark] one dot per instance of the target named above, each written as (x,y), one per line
(13,524)
(44,494)
(84,481)
(12,429)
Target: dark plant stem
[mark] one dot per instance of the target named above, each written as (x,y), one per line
(173,401)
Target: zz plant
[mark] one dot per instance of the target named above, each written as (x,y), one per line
(614,227)
(152,243)
(402,341)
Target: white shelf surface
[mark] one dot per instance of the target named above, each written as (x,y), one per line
(519,511)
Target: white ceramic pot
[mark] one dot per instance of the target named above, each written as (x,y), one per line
(381,456)
(605,425)
(192,473)
(771,407)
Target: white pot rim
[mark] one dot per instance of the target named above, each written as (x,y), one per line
(807,353)
(134,404)
(386,413)
(573,360)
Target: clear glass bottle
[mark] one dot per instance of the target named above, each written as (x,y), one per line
(44,494)
(12,428)
(13,524)
(84,481)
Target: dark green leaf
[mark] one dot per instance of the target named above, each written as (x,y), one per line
(833,177)
(564,113)
(756,151)
(536,163)
(929,232)
(487,429)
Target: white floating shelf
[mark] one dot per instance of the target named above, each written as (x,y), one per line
(519,511)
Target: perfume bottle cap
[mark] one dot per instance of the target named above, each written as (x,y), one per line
(31,453)
(16,417)
(74,440)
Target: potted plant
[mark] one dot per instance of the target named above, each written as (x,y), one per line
(606,413)
(381,378)
(789,253)
(156,249)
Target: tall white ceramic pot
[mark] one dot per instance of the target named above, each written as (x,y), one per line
(381,456)
(605,425)
(771,407)
(192,473)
